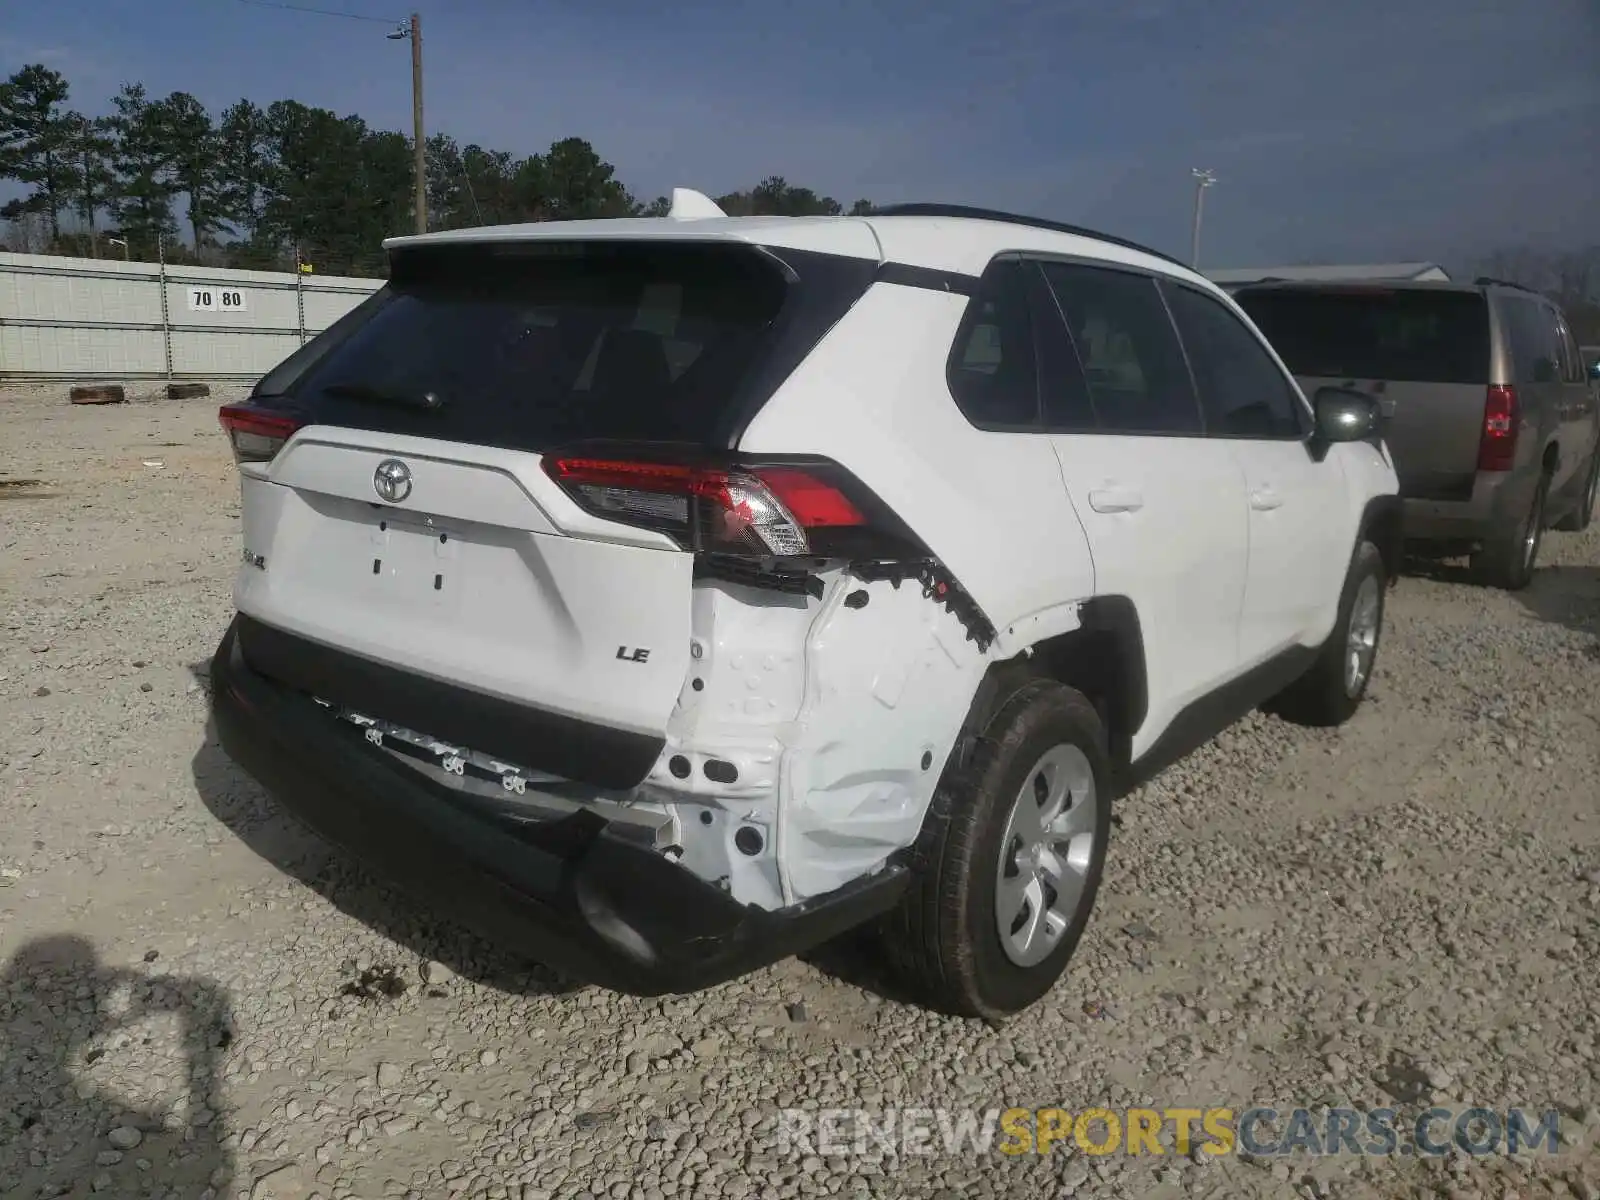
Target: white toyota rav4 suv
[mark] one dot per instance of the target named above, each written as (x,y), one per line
(663,597)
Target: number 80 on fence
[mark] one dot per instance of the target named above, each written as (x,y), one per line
(217,300)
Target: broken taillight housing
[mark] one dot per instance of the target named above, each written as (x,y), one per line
(787,509)
(256,434)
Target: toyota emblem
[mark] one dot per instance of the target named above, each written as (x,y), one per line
(392,480)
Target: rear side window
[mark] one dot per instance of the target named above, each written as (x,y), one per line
(994,368)
(1400,335)
(1535,340)
(530,345)
(1138,380)
(1242,391)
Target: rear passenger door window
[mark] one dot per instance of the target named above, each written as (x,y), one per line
(1137,379)
(993,371)
(1243,392)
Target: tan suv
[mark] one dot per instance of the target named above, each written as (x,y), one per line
(1489,411)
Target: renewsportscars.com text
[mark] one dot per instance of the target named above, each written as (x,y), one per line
(1258,1131)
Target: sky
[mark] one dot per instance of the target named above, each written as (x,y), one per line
(1338,130)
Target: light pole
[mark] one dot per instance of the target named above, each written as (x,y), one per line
(127,255)
(1202,180)
(413,30)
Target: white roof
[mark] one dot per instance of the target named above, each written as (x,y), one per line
(962,244)
(835,235)
(1331,273)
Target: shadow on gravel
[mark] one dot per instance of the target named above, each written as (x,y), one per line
(1567,596)
(1440,570)
(1562,595)
(250,814)
(857,958)
(73,1032)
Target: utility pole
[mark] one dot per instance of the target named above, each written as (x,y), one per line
(413,31)
(1202,180)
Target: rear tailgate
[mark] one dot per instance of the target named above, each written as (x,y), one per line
(485,576)
(1423,353)
(409,520)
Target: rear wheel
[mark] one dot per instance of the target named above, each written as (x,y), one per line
(1010,859)
(1508,555)
(1578,521)
(1333,687)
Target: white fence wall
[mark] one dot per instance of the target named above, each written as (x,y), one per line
(103,319)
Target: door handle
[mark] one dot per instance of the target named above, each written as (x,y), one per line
(1264,499)
(1114,499)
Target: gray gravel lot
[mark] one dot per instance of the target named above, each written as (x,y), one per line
(196,995)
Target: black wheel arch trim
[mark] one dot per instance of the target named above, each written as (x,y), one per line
(1116,616)
(1383,520)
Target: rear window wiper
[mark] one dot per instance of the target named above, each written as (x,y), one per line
(377,395)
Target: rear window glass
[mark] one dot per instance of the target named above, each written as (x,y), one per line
(534,344)
(1405,336)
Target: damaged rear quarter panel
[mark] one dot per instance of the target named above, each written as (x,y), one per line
(838,719)
(888,686)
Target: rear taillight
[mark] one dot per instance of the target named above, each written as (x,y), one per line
(255,433)
(749,509)
(1497,449)
(762,522)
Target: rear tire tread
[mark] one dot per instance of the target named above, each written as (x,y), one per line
(1501,563)
(928,939)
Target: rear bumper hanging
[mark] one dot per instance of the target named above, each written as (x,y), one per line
(571,892)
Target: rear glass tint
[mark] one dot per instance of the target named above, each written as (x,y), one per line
(1412,336)
(529,345)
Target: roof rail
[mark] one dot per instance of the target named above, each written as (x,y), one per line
(989,214)
(1488,281)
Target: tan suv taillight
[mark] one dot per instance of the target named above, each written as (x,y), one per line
(1497,448)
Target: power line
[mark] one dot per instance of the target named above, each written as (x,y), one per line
(321,12)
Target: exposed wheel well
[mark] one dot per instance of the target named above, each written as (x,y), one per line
(1103,659)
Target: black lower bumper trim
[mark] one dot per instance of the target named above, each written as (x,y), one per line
(565,892)
(544,741)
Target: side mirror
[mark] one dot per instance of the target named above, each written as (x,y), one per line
(1343,415)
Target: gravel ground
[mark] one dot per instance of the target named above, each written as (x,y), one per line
(195,994)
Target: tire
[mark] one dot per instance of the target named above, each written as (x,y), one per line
(1509,555)
(1331,690)
(1580,519)
(945,939)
